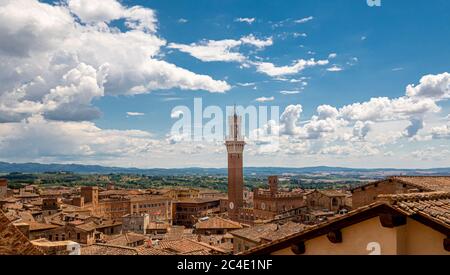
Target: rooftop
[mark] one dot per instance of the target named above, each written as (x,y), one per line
(125,239)
(90,226)
(37,226)
(107,249)
(217,223)
(187,246)
(255,233)
(144,250)
(435,183)
(430,208)
(432,205)
(425,183)
(284,230)
(12,241)
(197,200)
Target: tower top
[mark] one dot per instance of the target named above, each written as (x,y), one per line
(235,124)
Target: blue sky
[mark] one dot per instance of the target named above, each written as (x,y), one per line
(399,35)
(140,59)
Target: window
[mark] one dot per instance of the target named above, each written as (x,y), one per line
(334,202)
(78,236)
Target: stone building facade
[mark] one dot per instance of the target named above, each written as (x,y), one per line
(187,212)
(271,202)
(137,223)
(159,208)
(325,200)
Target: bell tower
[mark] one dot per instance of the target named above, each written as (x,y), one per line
(235,147)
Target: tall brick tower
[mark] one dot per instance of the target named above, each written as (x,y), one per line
(235,147)
(3,188)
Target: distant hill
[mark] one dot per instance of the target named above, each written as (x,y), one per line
(258,171)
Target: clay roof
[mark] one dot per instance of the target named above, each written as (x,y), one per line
(197,200)
(37,226)
(137,198)
(187,246)
(217,223)
(425,183)
(143,250)
(255,233)
(90,226)
(284,230)
(108,223)
(22,216)
(176,233)
(106,249)
(125,239)
(434,183)
(431,205)
(12,241)
(122,192)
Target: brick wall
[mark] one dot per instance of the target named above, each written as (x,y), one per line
(367,194)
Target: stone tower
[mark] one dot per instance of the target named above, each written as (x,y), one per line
(90,194)
(273,185)
(3,188)
(235,147)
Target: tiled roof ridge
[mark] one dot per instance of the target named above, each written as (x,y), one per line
(116,246)
(420,176)
(422,196)
(206,245)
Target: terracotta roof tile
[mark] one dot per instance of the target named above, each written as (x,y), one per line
(142,250)
(217,223)
(105,249)
(432,205)
(12,241)
(255,233)
(431,183)
(125,239)
(284,230)
(36,226)
(90,226)
(187,246)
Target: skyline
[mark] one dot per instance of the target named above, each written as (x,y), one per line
(95,82)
